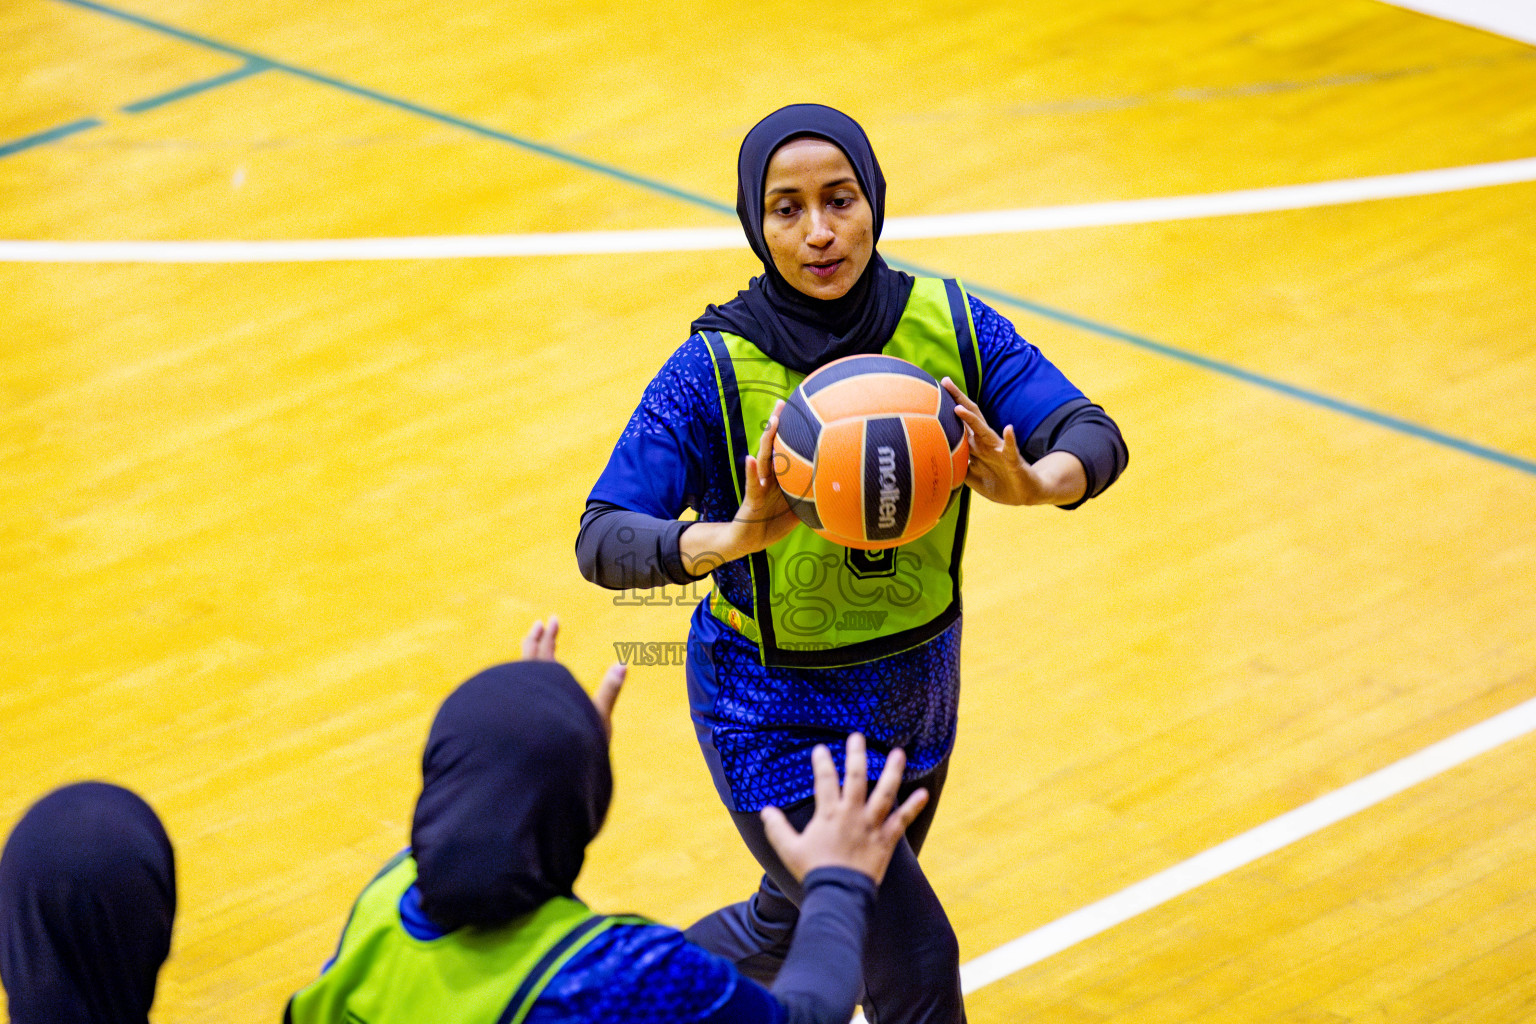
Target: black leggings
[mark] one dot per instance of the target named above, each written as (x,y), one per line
(911,958)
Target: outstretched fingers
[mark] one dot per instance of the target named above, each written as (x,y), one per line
(851,826)
(754,481)
(781,834)
(855,770)
(607,695)
(892,824)
(765,453)
(1010,445)
(883,798)
(828,793)
(539,644)
(903,816)
(964,403)
(754,505)
(979,432)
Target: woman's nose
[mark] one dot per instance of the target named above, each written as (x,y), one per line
(820,234)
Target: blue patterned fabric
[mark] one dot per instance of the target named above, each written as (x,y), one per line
(650,974)
(756,725)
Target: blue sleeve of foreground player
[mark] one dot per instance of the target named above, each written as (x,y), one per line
(650,974)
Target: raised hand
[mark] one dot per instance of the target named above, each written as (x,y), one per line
(539,645)
(847,829)
(607,694)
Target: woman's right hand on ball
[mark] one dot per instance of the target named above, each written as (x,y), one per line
(763,519)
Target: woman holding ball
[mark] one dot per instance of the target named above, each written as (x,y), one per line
(803,641)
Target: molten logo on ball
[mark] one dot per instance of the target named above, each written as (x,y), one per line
(888,491)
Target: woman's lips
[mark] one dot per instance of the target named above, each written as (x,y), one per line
(824,270)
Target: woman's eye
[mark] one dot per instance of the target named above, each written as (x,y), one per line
(842,202)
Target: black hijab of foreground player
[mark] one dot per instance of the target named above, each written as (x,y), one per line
(515,784)
(791,327)
(87,899)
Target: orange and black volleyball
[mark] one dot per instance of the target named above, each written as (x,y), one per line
(870,451)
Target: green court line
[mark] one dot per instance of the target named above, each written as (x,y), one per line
(1317,398)
(251,67)
(1229,370)
(400,104)
(51,135)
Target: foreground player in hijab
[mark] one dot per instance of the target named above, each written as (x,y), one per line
(476,922)
(776,664)
(87,897)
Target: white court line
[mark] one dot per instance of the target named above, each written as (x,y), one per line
(1515,19)
(438,247)
(1048,218)
(1273,835)
(1220,204)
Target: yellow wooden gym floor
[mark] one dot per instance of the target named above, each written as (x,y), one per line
(258,518)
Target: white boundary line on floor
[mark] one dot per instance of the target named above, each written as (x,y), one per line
(1276,834)
(1513,19)
(993,222)
(1273,835)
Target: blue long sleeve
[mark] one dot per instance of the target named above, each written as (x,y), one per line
(822,976)
(650,974)
(671,455)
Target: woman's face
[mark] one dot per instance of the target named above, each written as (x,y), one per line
(818,224)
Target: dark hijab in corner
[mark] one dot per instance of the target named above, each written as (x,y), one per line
(87,898)
(515,784)
(791,327)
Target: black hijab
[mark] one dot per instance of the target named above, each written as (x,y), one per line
(87,896)
(515,784)
(791,327)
